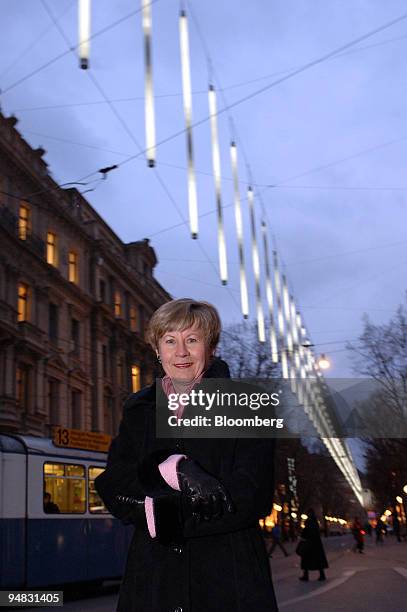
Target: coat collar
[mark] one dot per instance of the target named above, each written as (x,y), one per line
(217,369)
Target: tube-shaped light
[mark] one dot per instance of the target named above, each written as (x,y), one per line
(148,84)
(287,314)
(187,98)
(256,267)
(277,286)
(244,297)
(84,33)
(284,364)
(269,295)
(223,265)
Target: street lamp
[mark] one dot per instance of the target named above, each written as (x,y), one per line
(324,362)
(399,499)
(405,489)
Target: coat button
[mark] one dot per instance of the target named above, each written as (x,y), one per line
(177,549)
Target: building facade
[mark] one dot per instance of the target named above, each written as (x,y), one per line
(74,302)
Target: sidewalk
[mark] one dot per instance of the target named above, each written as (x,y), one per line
(374,581)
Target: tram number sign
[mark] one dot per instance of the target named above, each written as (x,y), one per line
(76,438)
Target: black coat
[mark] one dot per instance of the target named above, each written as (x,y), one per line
(314,557)
(215,566)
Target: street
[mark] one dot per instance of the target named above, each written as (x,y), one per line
(374,581)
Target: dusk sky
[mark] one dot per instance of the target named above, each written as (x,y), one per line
(332,139)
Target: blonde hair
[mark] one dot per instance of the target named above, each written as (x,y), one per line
(181,314)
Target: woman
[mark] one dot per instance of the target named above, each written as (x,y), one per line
(311,549)
(195,503)
(359,535)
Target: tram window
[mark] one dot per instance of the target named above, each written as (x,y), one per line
(75,470)
(56,469)
(66,483)
(95,503)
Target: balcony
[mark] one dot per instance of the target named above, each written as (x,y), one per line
(33,336)
(9,222)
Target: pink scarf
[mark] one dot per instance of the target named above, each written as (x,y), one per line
(168,387)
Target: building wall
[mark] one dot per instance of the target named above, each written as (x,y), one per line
(69,362)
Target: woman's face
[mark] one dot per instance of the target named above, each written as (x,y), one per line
(184,354)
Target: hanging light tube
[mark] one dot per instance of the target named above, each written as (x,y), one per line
(294,334)
(269,295)
(148,84)
(256,267)
(287,315)
(84,33)
(187,98)
(284,364)
(277,286)
(244,297)
(223,265)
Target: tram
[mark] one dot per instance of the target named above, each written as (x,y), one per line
(54,528)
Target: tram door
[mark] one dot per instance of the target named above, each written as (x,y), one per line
(12,515)
(57,521)
(108,539)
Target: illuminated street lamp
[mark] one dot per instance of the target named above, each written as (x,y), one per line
(324,362)
(84,33)
(399,499)
(405,489)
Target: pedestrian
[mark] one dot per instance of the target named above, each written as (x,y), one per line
(380,530)
(359,535)
(195,502)
(396,527)
(310,548)
(276,540)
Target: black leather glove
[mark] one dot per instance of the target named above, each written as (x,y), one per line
(130,509)
(206,496)
(130,500)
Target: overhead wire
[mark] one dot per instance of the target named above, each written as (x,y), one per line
(203,91)
(131,135)
(73,48)
(267,87)
(32,44)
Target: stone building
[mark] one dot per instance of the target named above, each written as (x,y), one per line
(74,302)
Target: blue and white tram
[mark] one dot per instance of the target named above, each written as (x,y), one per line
(71,540)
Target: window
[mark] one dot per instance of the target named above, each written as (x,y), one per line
(95,503)
(23,302)
(75,335)
(53,322)
(135,378)
(73,267)
(52,253)
(133,318)
(24,222)
(22,386)
(117,304)
(66,485)
(76,404)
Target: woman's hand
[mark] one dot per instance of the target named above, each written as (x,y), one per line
(207,497)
